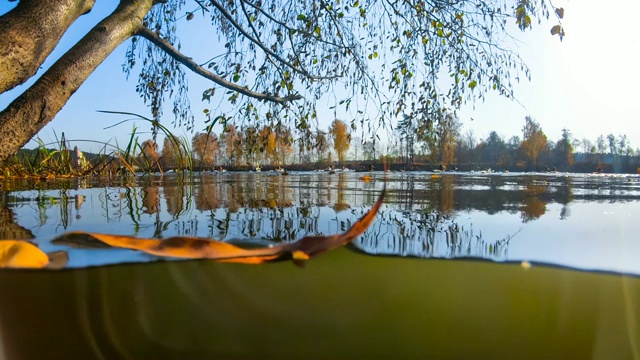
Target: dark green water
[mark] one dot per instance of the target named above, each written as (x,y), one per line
(396,293)
(342,305)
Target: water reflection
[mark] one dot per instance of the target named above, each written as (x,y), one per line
(425,215)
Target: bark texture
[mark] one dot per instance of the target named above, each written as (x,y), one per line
(39,104)
(30,32)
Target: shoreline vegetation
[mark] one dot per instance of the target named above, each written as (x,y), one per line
(267,149)
(43,162)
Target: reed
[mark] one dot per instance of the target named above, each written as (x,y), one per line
(61,159)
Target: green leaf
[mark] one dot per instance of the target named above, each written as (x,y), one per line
(236,77)
(301,17)
(473,84)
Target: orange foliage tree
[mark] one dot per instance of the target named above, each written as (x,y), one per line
(173,153)
(206,147)
(148,157)
(448,135)
(341,138)
(534,142)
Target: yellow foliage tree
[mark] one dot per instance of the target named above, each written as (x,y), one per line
(206,148)
(341,138)
(148,158)
(534,140)
(448,135)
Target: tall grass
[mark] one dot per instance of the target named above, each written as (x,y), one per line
(59,158)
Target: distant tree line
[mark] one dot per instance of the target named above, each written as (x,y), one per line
(427,142)
(434,141)
(439,142)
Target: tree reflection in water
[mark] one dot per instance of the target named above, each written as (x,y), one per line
(424,215)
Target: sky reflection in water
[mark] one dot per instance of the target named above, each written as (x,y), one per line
(576,220)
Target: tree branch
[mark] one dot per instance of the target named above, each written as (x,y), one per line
(193,66)
(268,51)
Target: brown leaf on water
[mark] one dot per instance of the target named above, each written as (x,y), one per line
(180,247)
(21,254)
(203,248)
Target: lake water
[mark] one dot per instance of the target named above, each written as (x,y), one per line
(546,265)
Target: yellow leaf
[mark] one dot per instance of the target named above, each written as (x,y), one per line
(21,254)
(300,255)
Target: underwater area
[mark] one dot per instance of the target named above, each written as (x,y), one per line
(455,265)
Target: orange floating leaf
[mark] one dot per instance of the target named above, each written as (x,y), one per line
(178,247)
(21,254)
(203,248)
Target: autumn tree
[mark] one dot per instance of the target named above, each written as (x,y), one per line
(448,132)
(534,140)
(341,138)
(206,148)
(232,140)
(252,145)
(270,54)
(268,139)
(148,157)
(321,144)
(174,152)
(427,136)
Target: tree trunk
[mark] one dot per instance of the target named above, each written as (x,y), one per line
(39,104)
(30,32)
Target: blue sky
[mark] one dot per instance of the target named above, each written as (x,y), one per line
(587,83)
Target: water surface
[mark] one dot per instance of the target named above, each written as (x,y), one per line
(439,274)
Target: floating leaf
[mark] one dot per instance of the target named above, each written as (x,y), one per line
(21,254)
(203,248)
